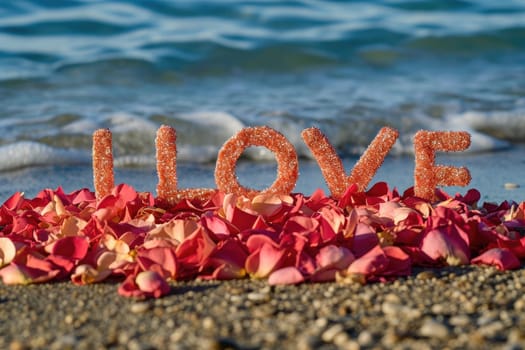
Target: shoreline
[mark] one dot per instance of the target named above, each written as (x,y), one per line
(490,174)
(455,307)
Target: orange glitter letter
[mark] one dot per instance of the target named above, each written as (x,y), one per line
(166,153)
(103,177)
(285,155)
(332,166)
(427,176)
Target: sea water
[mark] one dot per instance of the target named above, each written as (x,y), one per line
(210,68)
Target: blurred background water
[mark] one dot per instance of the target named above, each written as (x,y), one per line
(208,68)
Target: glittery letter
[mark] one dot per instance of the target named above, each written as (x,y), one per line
(332,166)
(166,153)
(366,167)
(285,155)
(427,176)
(103,177)
(328,160)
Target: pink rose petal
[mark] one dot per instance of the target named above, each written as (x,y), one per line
(14,274)
(196,248)
(86,274)
(365,238)
(146,284)
(228,260)
(152,282)
(444,245)
(333,256)
(373,262)
(502,258)
(163,257)
(286,275)
(264,261)
(7,251)
(399,262)
(302,225)
(19,274)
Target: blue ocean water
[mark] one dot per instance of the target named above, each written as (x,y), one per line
(208,68)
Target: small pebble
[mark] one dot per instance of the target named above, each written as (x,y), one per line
(491,330)
(343,341)
(258,297)
(321,322)
(208,323)
(433,329)
(460,320)
(519,305)
(365,338)
(16,345)
(68,319)
(139,307)
(329,334)
(426,275)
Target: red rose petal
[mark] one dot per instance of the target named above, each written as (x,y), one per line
(73,247)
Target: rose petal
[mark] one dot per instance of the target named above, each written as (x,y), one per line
(444,245)
(196,248)
(14,274)
(502,258)
(286,275)
(19,274)
(145,284)
(7,251)
(256,241)
(365,238)
(73,247)
(216,225)
(264,260)
(164,257)
(152,282)
(333,256)
(87,274)
(302,225)
(270,204)
(14,201)
(373,262)
(399,263)
(228,260)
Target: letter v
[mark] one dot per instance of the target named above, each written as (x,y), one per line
(332,166)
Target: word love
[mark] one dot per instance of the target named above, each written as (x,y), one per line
(427,175)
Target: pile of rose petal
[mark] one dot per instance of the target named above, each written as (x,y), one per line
(376,235)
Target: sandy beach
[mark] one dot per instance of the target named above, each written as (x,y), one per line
(210,68)
(455,308)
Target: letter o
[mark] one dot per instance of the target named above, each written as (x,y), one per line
(285,155)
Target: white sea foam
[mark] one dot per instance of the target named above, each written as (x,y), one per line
(185,153)
(506,125)
(125,122)
(201,135)
(490,131)
(206,128)
(220,121)
(27,153)
(82,126)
